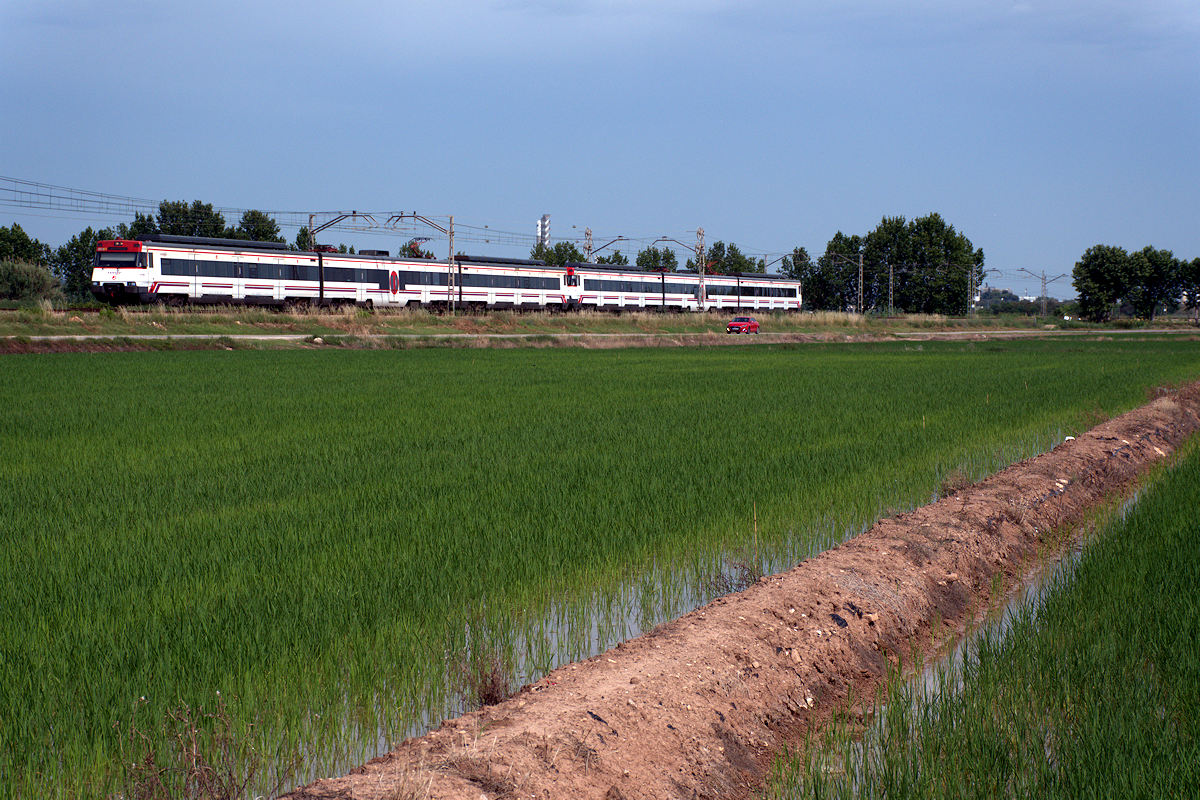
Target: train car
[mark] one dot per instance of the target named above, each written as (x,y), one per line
(750,291)
(616,288)
(197,270)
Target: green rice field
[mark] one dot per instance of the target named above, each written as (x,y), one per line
(327,545)
(1091,691)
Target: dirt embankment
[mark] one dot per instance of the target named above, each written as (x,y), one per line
(229,341)
(697,707)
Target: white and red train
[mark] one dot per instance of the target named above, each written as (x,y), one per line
(194,270)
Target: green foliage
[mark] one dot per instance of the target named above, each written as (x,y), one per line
(616,258)
(257,226)
(199,219)
(413,249)
(72,262)
(1149,281)
(1190,278)
(726,260)
(654,259)
(930,264)
(15,245)
(24,281)
(1003,301)
(832,283)
(304,240)
(561,254)
(311,532)
(143,226)
(1152,281)
(797,265)
(1099,279)
(1092,691)
(940,266)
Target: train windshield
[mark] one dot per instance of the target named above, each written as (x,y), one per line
(118,260)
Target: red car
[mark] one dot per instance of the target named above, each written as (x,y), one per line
(742,325)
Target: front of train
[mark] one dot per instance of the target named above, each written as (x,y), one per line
(120,272)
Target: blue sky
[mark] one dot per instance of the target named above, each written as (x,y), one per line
(1036,128)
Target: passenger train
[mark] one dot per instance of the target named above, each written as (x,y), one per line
(182,270)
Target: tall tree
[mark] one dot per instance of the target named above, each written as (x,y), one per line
(931,266)
(795,265)
(832,284)
(412,249)
(1099,279)
(1153,280)
(72,262)
(722,259)
(257,226)
(946,267)
(889,258)
(304,240)
(654,259)
(1190,274)
(560,254)
(16,245)
(616,258)
(143,226)
(198,219)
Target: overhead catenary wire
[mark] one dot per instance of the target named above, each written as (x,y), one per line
(52,201)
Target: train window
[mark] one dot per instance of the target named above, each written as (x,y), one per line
(178,266)
(303,272)
(217,269)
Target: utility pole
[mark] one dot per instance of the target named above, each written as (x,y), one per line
(699,262)
(970,288)
(587,245)
(891,307)
(450,276)
(451,281)
(1045,281)
(860,282)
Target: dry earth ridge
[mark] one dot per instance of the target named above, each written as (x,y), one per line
(698,707)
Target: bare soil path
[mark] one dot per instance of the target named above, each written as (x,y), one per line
(697,707)
(58,343)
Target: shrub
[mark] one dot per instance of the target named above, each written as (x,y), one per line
(20,280)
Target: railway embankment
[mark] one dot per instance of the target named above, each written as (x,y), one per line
(698,707)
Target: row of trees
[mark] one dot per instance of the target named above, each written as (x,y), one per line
(71,263)
(720,259)
(920,266)
(1111,281)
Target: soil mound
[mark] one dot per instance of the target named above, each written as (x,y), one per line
(697,707)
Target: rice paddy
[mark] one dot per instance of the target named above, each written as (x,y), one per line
(329,544)
(1091,691)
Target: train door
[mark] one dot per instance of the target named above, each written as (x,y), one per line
(571,290)
(177,283)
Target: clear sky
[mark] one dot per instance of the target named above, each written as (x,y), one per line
(1036,128)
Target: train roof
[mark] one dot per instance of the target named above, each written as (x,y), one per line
(508,262)
(688,272)
(212,241)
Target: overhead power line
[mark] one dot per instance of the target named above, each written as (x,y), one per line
(49,200)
